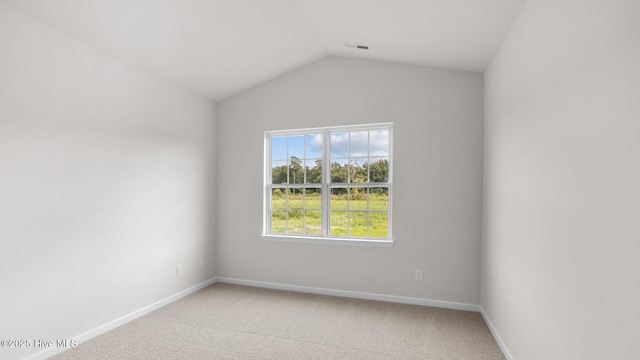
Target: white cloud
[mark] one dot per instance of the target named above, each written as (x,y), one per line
(314,146)
(354,144)
(379,143)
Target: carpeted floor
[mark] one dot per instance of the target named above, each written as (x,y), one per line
(226,321)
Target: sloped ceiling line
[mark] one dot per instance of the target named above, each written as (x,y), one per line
(218,48)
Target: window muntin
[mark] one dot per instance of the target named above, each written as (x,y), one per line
(349,199)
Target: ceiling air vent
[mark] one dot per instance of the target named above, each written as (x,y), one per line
(356,46)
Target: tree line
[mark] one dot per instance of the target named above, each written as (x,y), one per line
(377,171)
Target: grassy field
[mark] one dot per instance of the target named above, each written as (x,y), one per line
(348,216)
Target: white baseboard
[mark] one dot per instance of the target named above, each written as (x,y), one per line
(495,334)
(122,320)
(353,294)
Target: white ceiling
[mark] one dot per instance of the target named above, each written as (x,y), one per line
(217,48)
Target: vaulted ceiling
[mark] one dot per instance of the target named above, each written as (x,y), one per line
(217,48)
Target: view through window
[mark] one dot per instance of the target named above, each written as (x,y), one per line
(349,198)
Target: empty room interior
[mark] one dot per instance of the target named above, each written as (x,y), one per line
(306,179)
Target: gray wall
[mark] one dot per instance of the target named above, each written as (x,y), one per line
(562,172)
(437,178)
(105,185)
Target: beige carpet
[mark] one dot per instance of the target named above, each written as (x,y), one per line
(226,321)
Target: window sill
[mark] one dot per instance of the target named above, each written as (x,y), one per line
(327,240)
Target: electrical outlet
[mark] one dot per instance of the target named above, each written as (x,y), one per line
(200,263)
(418,274)
(178,270)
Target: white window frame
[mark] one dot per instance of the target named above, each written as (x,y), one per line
(325,238)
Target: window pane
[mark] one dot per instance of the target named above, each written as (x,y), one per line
(296,197)
(296,147)
(358,170)
(279,221)
(279,172)
(338,223)
(339,171)
(358,224)
(358,198)
(379,143)
(379,170)
(313,170)
(278,198)
(338,199)
(314,146)
(313,222)
(379,224)
(379,199)
(296,172)
(359,144)
(296,219)
(279,148)
(339,145)
(313,199)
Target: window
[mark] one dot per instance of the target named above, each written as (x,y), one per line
(346,201)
